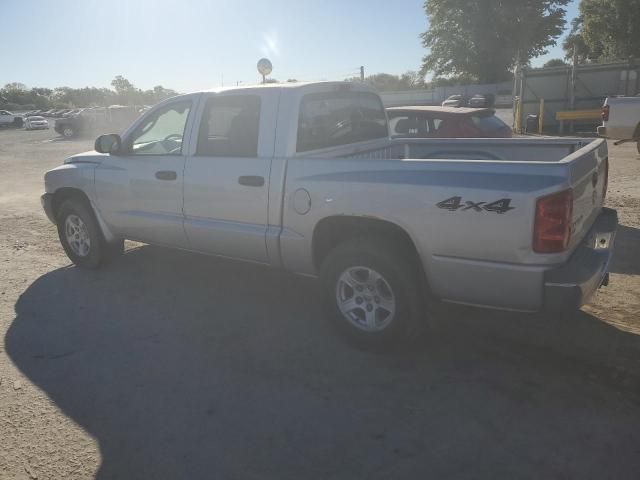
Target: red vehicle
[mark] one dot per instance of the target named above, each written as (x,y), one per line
(446,122)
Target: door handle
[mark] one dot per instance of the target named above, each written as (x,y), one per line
(166,175)
(251,181)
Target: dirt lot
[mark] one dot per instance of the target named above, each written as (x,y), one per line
(170,365)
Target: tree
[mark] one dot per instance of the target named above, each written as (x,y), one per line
(121,85)
(555,62)
(574,43)
(606,30)
(486,38)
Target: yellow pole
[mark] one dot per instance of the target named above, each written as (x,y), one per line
(541,117)
(517,123)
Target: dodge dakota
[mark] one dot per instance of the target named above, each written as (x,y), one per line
(305,177)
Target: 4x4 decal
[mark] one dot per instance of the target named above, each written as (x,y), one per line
(455,204)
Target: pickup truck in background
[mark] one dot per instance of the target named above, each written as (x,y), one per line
(621,120)
(96,120)
(8,119)
(305,177)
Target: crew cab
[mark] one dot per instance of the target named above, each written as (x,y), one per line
(305,177)
(621,120)
(8,119)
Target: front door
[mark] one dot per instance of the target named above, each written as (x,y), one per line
(226,180)
(139,192)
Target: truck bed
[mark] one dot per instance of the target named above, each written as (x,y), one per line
(510,149)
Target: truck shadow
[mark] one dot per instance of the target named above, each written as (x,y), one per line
(626,259)
(188,367)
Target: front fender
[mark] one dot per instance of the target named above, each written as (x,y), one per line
(78,176)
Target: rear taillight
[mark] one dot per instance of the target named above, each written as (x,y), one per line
(605,113)
(552,227)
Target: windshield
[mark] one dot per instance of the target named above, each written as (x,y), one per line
(488,122)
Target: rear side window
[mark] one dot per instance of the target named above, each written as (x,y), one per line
(339,118)
(230,127)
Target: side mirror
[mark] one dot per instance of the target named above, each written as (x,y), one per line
(110,143)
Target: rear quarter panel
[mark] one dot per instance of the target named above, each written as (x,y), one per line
(413,194)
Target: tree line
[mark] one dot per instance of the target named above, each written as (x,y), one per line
(17,96)
(484,40)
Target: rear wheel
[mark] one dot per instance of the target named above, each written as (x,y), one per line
(372,292)
(68,132)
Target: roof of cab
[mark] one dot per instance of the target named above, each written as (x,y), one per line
(294,85)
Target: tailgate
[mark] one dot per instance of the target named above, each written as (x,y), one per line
(588,176)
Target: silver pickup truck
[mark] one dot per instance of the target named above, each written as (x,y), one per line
(304,177)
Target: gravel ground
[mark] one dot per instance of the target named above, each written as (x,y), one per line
(171,365)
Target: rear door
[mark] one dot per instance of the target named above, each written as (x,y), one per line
(226,178)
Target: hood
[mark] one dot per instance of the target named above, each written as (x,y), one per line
(87,157)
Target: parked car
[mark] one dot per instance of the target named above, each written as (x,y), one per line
(478,101)
(8,119)
(73,112)
(96,120)
(304,177)
(621,119)
(446,122)
(35,122)
(454,101)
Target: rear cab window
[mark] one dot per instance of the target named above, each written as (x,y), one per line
(331,119)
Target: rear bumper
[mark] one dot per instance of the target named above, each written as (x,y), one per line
(571,285)
(47,204)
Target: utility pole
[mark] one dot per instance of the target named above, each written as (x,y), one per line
(362,74)
(574,83)
(515,94)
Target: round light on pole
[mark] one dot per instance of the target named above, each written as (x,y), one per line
(264,68)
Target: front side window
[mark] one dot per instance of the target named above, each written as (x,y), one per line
(339,118)
(230,127)
(162,132)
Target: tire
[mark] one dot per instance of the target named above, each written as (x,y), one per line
(381,317)
(68,131)
(87,248)
(638,146)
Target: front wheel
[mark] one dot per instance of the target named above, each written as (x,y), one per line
(80,235)
(372,291)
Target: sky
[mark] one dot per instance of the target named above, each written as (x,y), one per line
(189,45)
